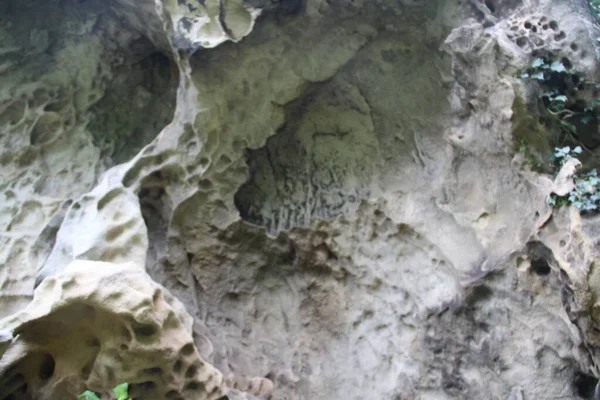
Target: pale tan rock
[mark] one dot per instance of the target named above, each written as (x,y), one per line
(399,250)
(96,325)
(563,183)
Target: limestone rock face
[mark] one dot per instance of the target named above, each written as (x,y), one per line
(75,333)
(243,199)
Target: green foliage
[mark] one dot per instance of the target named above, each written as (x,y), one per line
(560,86)
(595,8)
(561,95)
(564,154)
(121,392)
(88,395)
(586,194)
(522,145)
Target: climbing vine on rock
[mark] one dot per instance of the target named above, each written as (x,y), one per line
(562,94)
(595,8)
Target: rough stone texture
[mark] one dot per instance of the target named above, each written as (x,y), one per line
(336,202)
(135,330)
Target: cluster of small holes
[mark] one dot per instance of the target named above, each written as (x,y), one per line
(536,33)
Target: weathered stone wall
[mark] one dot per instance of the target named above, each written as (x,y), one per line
(293,200)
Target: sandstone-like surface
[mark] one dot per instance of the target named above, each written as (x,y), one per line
(77,334)
(290,200)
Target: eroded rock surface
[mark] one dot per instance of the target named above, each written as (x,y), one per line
(330,208)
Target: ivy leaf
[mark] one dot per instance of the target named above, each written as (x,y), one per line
(88,395)
(538,62)
(577,150)
(121,391)
(557,66)
(561,98)
(524,76)
(538,75)
(586,118)
(568,125)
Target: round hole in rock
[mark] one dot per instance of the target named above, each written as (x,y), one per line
(566,62)
(191,372)
(527,25)
(584,385)
(144,330)
(522,41)
(177,366)
(540,267)
(187,349)
(47,367)
(193,386)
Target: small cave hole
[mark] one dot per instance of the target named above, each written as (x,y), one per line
(193,386)
(560,36)
(187,349)
(528,25)
(478,293)
(566,62)
(144,330)
(47,367)
(584,385)
(574,47)
(177,366)
(191,372)
(522,41)
(540,267)
(553,25)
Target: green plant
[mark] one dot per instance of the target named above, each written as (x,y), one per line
(586,194)
(561,89)
(564,154)
(595,8)
(522,145)
(121,392)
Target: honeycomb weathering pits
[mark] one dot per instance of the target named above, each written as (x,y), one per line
(119,325)
(291,200)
